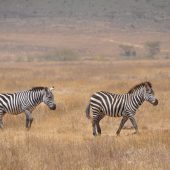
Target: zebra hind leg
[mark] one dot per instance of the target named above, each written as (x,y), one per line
(1,122)
(98,128)
(98,125)
(94,128)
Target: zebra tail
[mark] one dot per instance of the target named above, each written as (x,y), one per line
(88,111)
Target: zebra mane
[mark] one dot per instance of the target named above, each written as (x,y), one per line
(147,83)
(38,88)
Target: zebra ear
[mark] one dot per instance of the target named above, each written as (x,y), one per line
(147,85)
(52,88)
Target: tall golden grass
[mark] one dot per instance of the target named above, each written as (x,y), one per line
(62,139)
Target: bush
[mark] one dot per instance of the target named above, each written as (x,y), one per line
(128,51)
(152,49)
(63,55)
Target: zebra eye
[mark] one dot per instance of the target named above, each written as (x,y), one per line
(148,91)
(50,98)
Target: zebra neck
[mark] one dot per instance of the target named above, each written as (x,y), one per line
(38,97)
(137,99)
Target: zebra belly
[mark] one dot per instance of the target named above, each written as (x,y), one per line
(115,114)
(111,113)
(14,111)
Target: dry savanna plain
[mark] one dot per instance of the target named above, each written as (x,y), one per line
(62,139)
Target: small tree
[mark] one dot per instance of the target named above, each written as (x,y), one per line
(152,49)
(127,51)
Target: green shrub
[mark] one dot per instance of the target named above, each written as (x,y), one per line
(128,51)
(64,55)
(152,49)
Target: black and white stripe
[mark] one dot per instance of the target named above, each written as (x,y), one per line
(25,101)
(119,105)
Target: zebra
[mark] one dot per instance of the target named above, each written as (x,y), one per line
(119,105)
(25,101)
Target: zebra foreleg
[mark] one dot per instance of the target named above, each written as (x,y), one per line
(1,122)
(27,123)
(29,119)
(133,121)
(123,121)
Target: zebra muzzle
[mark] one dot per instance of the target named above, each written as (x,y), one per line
(156,102)
(53,107)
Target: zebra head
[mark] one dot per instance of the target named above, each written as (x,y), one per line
(149,94)
(48,98)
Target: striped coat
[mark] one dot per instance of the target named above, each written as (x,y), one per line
(119,105)
(25,101)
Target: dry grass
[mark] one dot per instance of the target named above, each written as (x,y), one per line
(62,139)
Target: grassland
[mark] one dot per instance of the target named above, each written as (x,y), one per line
(75,46)
(62,139)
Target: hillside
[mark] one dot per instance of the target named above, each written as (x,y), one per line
(77,29)
(134,14)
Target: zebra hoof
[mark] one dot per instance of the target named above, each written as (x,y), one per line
(136,133)
(94,134)
(27,128)
(117,133)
